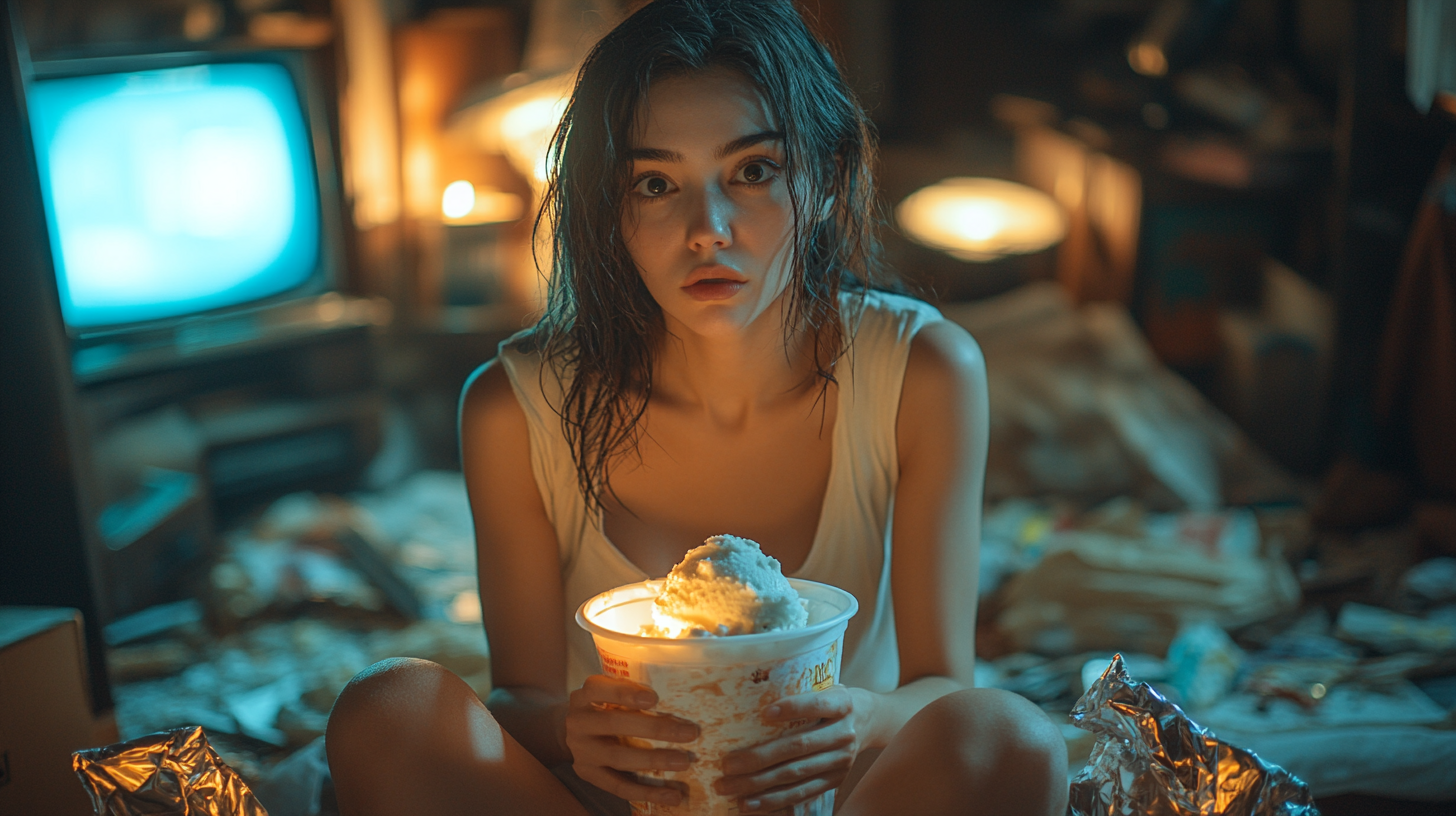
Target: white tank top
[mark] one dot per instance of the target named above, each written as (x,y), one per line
(851,548)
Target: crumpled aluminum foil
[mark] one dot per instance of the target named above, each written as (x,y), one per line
(172,772)
(1151,760)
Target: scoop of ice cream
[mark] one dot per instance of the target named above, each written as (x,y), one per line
(727,586)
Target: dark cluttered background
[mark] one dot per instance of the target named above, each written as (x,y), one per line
(1222,365)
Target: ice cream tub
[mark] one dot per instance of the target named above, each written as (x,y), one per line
(721,683)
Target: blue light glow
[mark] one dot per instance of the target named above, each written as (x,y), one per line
(175,191)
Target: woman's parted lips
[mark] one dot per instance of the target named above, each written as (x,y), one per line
(714,272)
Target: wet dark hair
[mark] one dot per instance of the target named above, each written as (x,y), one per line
(601,324)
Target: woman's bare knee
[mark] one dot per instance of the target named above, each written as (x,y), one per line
(408,736)
(392,702)
(397,681)
(399,721)
(982,747)
(1003,747)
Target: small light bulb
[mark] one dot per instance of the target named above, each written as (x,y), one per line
(1148,59)
(458,200)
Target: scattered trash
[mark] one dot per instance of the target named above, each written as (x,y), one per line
(1431,582)
(410,549)
(152,621)
(1081,409)
(1202,663)
(1151,758)
(1149,668)
(295,785)
(319,587)
(276,681)
(1098,590)
(172,772)
(1304,681)
(1012,535)
(258,576)
(128,664)
(1389,632)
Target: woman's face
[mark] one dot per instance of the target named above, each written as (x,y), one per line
(707,217)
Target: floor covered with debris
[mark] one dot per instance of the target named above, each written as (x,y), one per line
(1124,515)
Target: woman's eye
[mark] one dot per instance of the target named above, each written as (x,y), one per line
(653,186)
(756,173)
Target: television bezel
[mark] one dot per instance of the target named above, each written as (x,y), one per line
(306,78)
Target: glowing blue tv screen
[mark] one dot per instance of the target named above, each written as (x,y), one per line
(175,191)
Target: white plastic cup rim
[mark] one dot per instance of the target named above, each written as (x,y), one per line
(840,605)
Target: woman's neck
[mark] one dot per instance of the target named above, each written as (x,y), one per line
(730,378)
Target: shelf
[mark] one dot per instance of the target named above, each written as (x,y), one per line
(205,338)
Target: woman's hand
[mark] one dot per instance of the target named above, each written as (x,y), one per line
(797,767)
(605,709)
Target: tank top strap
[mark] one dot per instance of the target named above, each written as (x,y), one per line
(540,392)
(882,326)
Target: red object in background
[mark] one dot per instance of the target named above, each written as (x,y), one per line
(1416,381)
(1199,249)
(1184,333)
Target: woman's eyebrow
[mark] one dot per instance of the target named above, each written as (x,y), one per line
(672,156)
(653,154)
(745,142)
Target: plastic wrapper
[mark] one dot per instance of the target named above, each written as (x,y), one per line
(174,773)
(1151,759)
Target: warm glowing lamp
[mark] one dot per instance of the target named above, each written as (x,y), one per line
(462,204)
(520,123)
(981,219)
(458,200)
(1148,52)
(1148,59)
(519,117)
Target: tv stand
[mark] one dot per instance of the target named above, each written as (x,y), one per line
(208,417)
(102,356)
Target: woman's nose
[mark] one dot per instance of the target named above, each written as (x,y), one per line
(710,220)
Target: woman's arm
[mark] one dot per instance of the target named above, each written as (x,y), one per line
(519,568)
(521,597)
(942,433)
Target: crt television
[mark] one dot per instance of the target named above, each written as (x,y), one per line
(192,213)
(180,186)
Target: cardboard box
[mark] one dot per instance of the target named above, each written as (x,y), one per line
(45,711)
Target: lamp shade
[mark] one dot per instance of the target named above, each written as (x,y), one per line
(981,219)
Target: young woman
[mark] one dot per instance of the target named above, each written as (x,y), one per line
(714,358)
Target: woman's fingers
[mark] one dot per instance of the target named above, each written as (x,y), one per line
(611,753)
(606,706)
(602,722)
(600,688)
(827,737)
(830,704)
(833,764)
(784,798)
(625,786)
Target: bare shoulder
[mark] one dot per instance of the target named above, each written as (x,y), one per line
(495,453)
(943,401)
(488,402)
(945,364)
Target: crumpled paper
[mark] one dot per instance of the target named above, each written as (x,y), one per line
(1150,759)
(173,772)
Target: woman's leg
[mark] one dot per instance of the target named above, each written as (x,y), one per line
(408,736)
(979,751)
